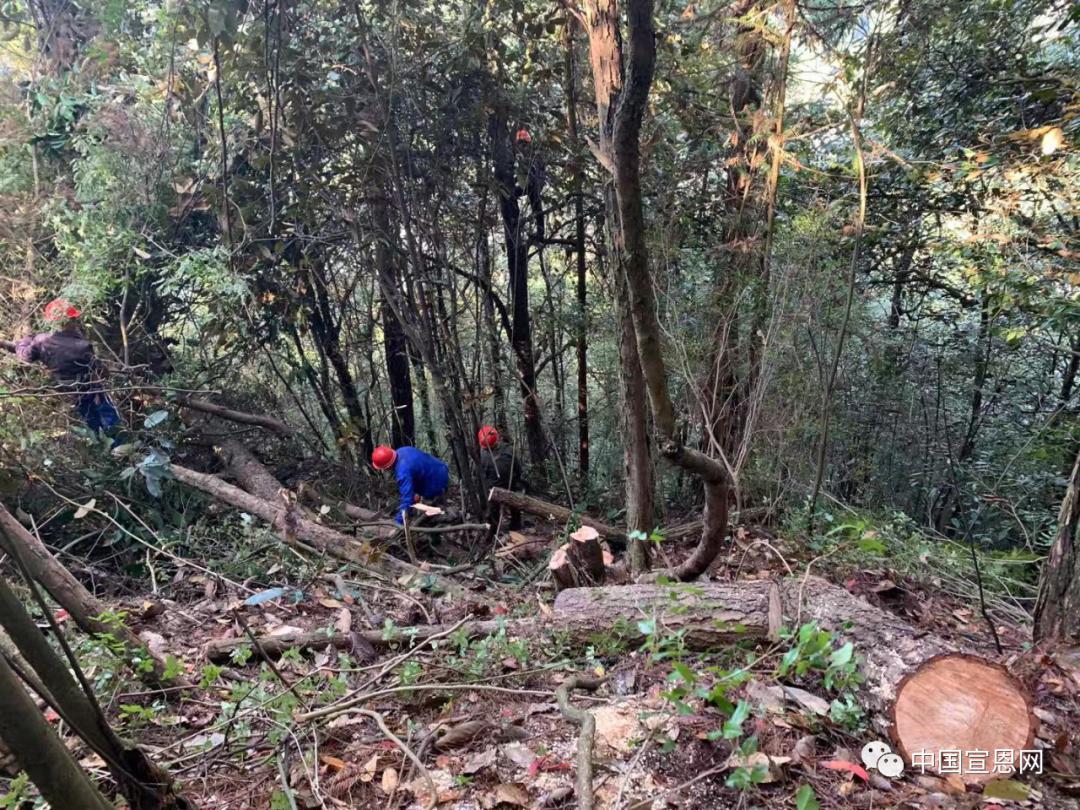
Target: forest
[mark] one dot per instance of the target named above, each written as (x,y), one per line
(619,404)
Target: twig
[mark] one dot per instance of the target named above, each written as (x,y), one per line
(433,797)
(270,662)
(583,783)
(357,696)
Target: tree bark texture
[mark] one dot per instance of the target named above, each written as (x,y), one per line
(40,752)
(1057,609)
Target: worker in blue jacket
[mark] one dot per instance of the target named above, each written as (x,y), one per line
(419,475)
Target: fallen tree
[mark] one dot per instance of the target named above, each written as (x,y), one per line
(294,528)
(895,656)
(718,614)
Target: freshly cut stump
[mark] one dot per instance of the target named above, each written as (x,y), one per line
(959,703)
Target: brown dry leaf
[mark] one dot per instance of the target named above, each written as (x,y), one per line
(333,762)
(333,604)
(389,781)
(808,701)
(462,734)
(955,784)
(510,793)
(343,624)
(759,759)
(805,752)
(545,610)
(479,761)
(367,772)
(769,696)
(519,754)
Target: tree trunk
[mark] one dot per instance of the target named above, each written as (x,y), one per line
(250,473)
(402,423)
(40,752)
(578,191)
(143,784)
(578,562)
(517,262)
(1057,609)
(69,593)
(605,55)
(624,155)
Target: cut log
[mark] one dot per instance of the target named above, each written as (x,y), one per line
(959,703)
(947,700)
(552,511)
(725,613)
(290,524)
(83,607)
(708,615)
(578,562)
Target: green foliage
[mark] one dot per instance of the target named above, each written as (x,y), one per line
(814,652)
(19,791)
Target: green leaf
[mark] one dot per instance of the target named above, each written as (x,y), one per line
(843,655)
(805,799)
(733,725)
(1008,789)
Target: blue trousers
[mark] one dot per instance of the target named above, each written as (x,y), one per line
(97,411)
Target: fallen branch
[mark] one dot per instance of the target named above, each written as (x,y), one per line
(259,420)
(583,782)
(221,650)
(552,511)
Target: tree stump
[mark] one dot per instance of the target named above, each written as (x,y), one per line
(579,562)
(959,704)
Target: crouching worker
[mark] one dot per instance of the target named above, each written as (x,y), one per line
(75,369)
(501,467)
(418,474)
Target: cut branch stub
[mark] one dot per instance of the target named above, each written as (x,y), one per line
(962,704)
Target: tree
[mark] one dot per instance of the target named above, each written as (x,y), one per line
(1057,610)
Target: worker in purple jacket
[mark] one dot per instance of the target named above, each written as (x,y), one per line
(418,474)
(70,358)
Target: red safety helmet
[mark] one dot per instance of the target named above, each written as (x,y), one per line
(59,310)
(523,136)
(383,457)
(488,437)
